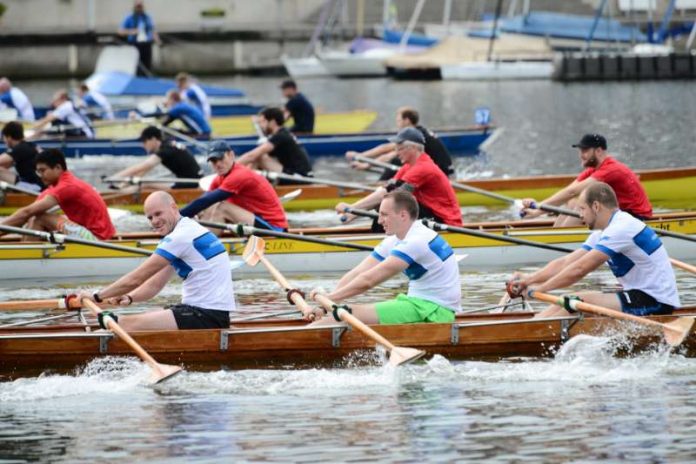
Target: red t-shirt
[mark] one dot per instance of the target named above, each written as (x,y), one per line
(631,195)
(252,192)
(82,204)
(432,189)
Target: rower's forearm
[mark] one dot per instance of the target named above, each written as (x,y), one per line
(357,286)
(565,278)
(372,200)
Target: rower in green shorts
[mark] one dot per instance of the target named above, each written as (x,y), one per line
(434,291)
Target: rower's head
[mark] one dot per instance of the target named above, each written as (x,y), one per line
(182,80)
(151,138)
(406,116)
(220,157)
(5,85)
(12,133)
(270,120)
(592,149)
(397,212)
(410,143)
(59,97)
(596,204)
(289,88)
(173,97)
(83,89)
(161,210)
(50,164)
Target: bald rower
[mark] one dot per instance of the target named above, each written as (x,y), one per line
(194,254)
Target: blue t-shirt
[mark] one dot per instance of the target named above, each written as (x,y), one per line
(191,116)
(143,23)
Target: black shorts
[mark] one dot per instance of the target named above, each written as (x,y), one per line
(193,318)
(639,303)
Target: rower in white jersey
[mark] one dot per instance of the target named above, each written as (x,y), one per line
(632,250)
(65,118)
(434,289)
(193,93)
(93,104)
(195,255)
(12,97)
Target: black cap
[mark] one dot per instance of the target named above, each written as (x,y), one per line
(408,134)
(217,149)
(150,132)
(591,141)
(288,84)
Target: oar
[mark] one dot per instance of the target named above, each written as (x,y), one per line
(186,138)
(271,175)
(253,253)
(32,305)
(243,230)
(683,265)
(133,180)
(397,354)
(675,332)
(473,232)
(374,162)
(160,372)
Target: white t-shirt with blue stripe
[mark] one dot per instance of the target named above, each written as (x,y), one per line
(637,257)
(201,260)
(432,270)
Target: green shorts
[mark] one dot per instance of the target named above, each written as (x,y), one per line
(407,309)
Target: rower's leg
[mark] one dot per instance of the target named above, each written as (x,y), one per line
(227,213)
(568,221)
(606,300)
(47,222)
(8,176)
(269,163)
(152,320)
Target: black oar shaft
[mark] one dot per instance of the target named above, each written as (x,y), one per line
(676,235)
(242,230)
(150,180)
(374,162)
(271,175)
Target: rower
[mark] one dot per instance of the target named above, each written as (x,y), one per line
(193,93)
(188,114)
(86,215)
(20,154)
(167,152)
(297,107)
(12,97)
(420,175)
(434,290)
(65,119)
(281,152)
(632,250)
(195,255)
(599,167)
(238,194)
(386,152)
(94,104)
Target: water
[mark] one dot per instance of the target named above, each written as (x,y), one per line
(583,405)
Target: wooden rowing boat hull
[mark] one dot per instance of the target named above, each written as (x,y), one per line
(666,188)
(26,260)
(283,343)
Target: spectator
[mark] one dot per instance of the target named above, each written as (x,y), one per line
(139,31)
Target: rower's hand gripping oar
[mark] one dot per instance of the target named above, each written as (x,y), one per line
(160,372)
(397,354)
(675,332)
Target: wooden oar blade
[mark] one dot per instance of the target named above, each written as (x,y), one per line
(253,250)
(291,196)
(165,372)
(401,355)
(677,331)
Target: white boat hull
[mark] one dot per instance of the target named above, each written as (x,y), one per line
(304,67)
(497,70)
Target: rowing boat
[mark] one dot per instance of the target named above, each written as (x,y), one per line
(666,188)
(283,343)
(30,259)
(463,141)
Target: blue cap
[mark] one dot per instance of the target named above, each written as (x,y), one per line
(408,134)
(217,149)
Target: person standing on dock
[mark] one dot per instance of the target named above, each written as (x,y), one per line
(633,251)
(191,252)
(94,104)
(65,119)
(386,152)
(139,31)
(297,107)
(434,289)
(237,195)
(86,214)
(419,175)
(167,152)
(281,152)
(12,97)
(599,167)
(20,154)
(193,93)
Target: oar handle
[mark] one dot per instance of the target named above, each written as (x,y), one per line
(374,162)
(356,323)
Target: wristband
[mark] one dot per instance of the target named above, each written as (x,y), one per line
(96,297)
(130,300)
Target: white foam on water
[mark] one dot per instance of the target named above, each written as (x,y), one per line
(108,375)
